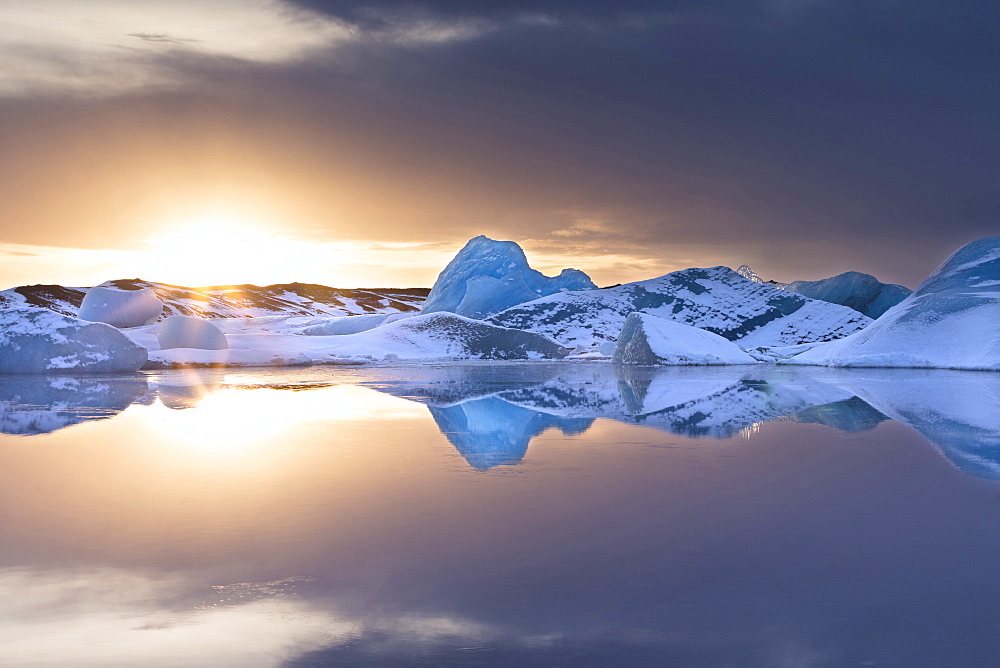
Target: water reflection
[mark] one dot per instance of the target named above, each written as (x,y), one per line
(491,413)
(344,530)
(33,405)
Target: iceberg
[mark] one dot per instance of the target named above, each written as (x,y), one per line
(950,321)
(716,299)
(647,339)
(862,292)
(488,276)
(36,340)
(185,331)
(120,308)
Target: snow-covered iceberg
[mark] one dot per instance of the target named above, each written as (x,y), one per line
(647,339)
(488,276)
(120,308)
(36,340)
(186,331)
(716,299)
(862,292)
(951,321)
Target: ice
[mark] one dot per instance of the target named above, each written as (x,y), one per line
(647,339)
(950,321)
(488,276)
(862,292)
(36,340)
(120,308)
(351,324)
(185,331)
(444,336)
(716,299)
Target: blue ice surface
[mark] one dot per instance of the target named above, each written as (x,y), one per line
(488,276)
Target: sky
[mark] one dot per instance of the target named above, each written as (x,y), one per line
(361,143)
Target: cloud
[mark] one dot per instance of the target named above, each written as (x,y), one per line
(804,138)
(160,37)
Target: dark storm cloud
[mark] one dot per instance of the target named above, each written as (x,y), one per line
(378,14)
(852,124)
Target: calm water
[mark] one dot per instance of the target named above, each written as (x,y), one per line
(503,515)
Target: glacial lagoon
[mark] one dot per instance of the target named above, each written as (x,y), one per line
(501,514)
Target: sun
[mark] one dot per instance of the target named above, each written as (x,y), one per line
(225,251)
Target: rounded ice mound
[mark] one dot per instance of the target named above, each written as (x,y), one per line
(36,340)
(348,324)
(950,321)
(488,276)
(185,331)
(120,308)
(647,339)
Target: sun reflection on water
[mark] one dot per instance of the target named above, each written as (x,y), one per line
(220,417)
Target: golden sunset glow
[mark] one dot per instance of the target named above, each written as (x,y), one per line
(228,419)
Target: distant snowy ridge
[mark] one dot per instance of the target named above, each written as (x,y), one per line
(236,301)
(716,299)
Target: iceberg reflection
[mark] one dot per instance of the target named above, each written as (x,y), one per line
(32,405)
(490,413)
(491,418)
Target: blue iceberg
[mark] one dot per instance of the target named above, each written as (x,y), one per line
(489,276)
(862,292)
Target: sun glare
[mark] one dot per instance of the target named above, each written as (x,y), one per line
(221,251)
(223,418)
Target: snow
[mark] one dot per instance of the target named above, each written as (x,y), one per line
(950,321)
(120,308)
(647,339)
(251,357)
(862,292)
(488,276)
(716,299)
(279,340)
(346,325)
(185,331)
(36,340)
